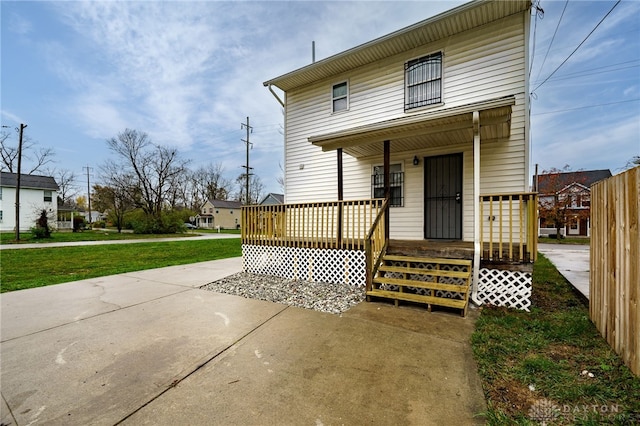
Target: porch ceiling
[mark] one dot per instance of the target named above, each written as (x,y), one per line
(420,131)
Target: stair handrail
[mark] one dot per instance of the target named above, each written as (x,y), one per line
(375,248)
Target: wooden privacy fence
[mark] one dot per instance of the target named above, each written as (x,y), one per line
(615,257)
(331,225)
(508,227)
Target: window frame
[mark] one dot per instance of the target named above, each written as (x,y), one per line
(336,98)
(398,179)
(426,102)
(50,200)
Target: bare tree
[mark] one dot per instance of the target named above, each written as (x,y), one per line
(151,168)
(37,158)
(256,189)
(66,181)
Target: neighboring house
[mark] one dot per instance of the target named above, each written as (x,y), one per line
(219,214)
(434,118)
(36,193)
(567,196)
(272,199)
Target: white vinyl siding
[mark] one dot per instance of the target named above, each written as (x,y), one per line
(478,65)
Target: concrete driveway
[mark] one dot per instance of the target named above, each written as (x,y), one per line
(151,348)
(572,261)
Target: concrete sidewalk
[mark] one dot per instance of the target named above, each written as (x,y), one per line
(151,348)
(572,261)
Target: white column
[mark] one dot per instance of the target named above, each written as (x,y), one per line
(477,220)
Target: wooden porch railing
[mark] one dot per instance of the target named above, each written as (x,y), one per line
(332,225)
(508,227)
(375,245)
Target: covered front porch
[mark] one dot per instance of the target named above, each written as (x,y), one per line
(429,209)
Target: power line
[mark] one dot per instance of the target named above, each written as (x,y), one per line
(576,49)
(587,106)
(552,39)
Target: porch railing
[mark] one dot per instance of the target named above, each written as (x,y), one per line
(331,225)
(508,227)
(375,244)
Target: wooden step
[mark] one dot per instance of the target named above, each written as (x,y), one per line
(408,267)
(434,272)
(436,260)
(419,298)
(429,285)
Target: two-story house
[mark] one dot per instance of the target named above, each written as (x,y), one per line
(564,201)
(219,214)
(411,146)
(36,193)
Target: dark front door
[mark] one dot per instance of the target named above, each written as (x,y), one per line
(443,197)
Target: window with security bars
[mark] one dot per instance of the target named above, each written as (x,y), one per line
(396,183)
(423,81)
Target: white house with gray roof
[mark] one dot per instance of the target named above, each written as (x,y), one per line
(36,193)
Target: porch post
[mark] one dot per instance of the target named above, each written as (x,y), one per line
(387,184)
(340,198)
(477,220)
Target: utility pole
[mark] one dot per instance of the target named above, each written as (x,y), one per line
(248,169)
(88,192)
(20,132)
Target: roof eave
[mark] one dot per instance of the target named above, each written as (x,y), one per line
(321,68)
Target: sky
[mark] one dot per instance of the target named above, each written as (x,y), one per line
(189,73)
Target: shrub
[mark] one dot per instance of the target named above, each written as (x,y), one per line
(42,228)
(78,223)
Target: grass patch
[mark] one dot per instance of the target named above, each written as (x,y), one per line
(222,231)
(567,240)
(91,235)
(533,363)
(29,268)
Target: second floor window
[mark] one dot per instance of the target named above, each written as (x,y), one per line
(48,196)
(340,97)
(423,81)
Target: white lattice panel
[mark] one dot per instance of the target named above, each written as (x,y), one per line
(505,288)
(308,264)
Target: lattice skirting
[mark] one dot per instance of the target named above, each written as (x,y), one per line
(505,288)
(308,264)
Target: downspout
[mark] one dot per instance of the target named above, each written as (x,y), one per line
(477,222)
(275,95)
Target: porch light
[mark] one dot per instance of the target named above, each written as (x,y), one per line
(416,161)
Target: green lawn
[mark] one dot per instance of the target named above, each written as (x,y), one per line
(93,235)
(28,268)
(567,240)
(549,354)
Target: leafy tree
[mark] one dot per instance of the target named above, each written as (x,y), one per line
(115,201)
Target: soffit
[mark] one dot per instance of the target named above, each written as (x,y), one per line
(421,131)
(457,20)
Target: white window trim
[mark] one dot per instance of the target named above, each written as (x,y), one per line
(347,97)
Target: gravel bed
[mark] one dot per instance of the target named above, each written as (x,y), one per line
(323,297)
